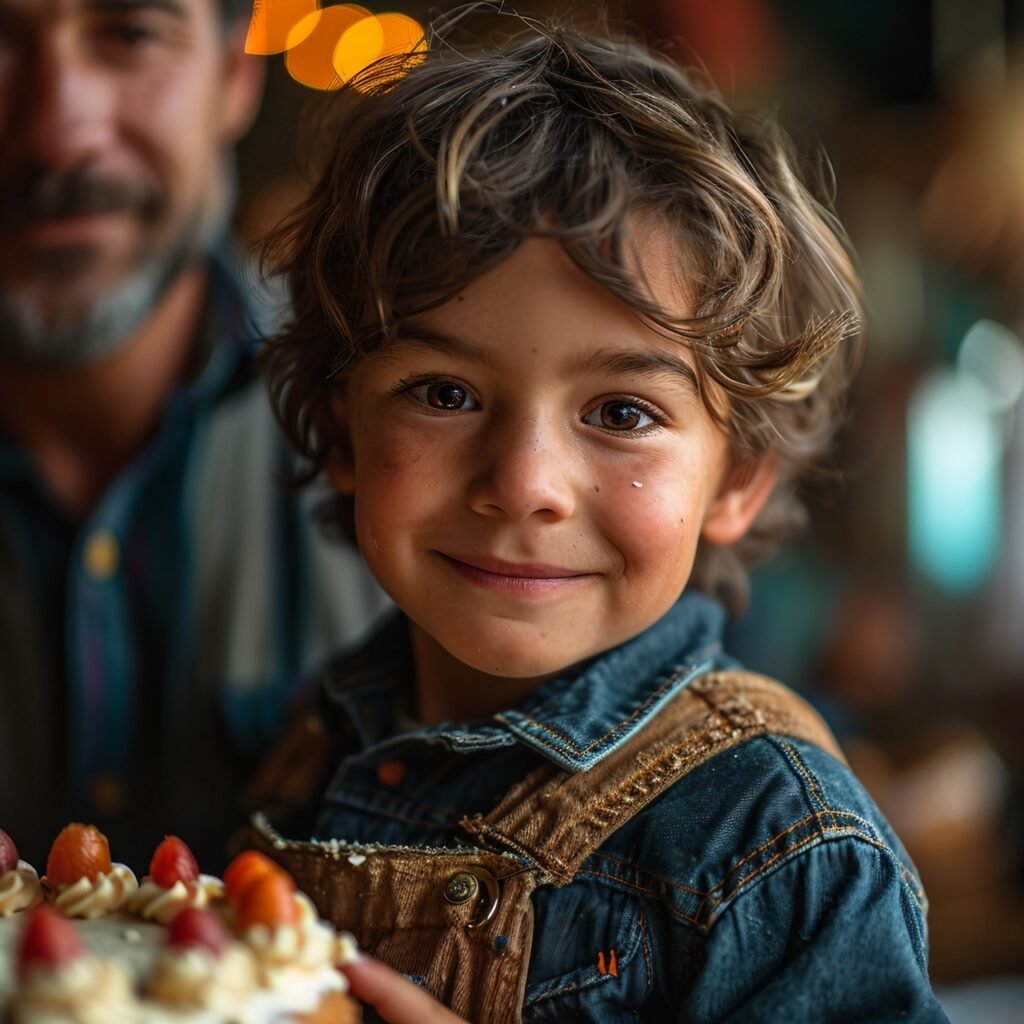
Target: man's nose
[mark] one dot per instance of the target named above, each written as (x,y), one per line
(68,110)
(525,468)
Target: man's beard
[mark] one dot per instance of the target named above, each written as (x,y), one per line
(37,327)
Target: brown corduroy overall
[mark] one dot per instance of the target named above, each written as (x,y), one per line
(463,919)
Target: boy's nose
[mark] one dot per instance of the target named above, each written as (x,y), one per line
(524,470)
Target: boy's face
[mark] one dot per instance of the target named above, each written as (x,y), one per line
(533,467)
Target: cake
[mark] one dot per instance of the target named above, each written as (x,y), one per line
(87,943)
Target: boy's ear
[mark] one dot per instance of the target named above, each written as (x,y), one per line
(742,495)
(340,464)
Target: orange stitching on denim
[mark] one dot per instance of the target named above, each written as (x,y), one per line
(716,901)
(764,846)
(646,781)
(760,849)
(641,889)
(710,902)
(652,874)
(797,761)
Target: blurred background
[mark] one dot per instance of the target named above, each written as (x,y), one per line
(901,612)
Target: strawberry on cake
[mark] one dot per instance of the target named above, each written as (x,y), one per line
(174,882)
(20,888)
(182,947)
(80,879)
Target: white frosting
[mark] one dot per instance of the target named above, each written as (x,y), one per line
(19,889)
(86,991)
(155,903)
(308,946)
(88,899)
(138,947)
(197,979)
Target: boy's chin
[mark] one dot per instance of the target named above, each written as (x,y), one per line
(514,651)
(520,661)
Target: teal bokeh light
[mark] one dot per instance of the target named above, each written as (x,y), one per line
(954,448)
(957,427)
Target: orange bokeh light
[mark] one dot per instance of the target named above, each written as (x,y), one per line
(310,62)
(383,35)
(278,25)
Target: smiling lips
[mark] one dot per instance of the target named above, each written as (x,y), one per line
(515,577)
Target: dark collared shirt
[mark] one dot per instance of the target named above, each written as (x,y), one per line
(763,886)
(147,651)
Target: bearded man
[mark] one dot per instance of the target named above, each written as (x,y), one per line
(159,589)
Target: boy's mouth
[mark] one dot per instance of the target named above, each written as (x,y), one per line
(479,568)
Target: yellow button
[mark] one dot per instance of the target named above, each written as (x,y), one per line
(101,555)
(107,793)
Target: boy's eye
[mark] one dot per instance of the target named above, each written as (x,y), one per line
(618,416)
(446,395)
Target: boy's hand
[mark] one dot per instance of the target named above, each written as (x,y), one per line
(396,999)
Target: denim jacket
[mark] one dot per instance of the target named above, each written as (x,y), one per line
(763,886)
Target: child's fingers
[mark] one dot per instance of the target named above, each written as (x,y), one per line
(394,997)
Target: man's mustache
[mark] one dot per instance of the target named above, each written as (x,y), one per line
(44,195)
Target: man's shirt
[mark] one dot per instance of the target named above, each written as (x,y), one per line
(763,886)
(149,652)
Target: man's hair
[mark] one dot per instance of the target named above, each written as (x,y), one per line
(435,171)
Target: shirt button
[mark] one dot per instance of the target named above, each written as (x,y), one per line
(101,555)
(107,794)
(390,773)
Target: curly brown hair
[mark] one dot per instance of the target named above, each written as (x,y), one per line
(432,170)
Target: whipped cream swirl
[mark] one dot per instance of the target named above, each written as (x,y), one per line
(84,991)
(309,945)
(109,893)
(153,902)
(19,889)
(197,979)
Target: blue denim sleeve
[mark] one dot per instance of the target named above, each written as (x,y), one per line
(835,934)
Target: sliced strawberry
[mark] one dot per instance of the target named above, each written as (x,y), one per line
(79,851)
(270,901)
(245,869)
(197,927)
(173,862)
(8,853)
(48,940)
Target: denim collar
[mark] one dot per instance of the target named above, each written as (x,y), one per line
(573,721)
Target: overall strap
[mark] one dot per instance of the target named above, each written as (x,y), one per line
(557,819)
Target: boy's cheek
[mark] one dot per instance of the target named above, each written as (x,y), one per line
(390,455)
(655,525)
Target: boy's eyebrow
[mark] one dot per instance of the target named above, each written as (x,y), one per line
(615,362)
(446,344)
(611,362)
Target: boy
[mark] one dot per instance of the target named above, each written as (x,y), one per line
(565,334)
